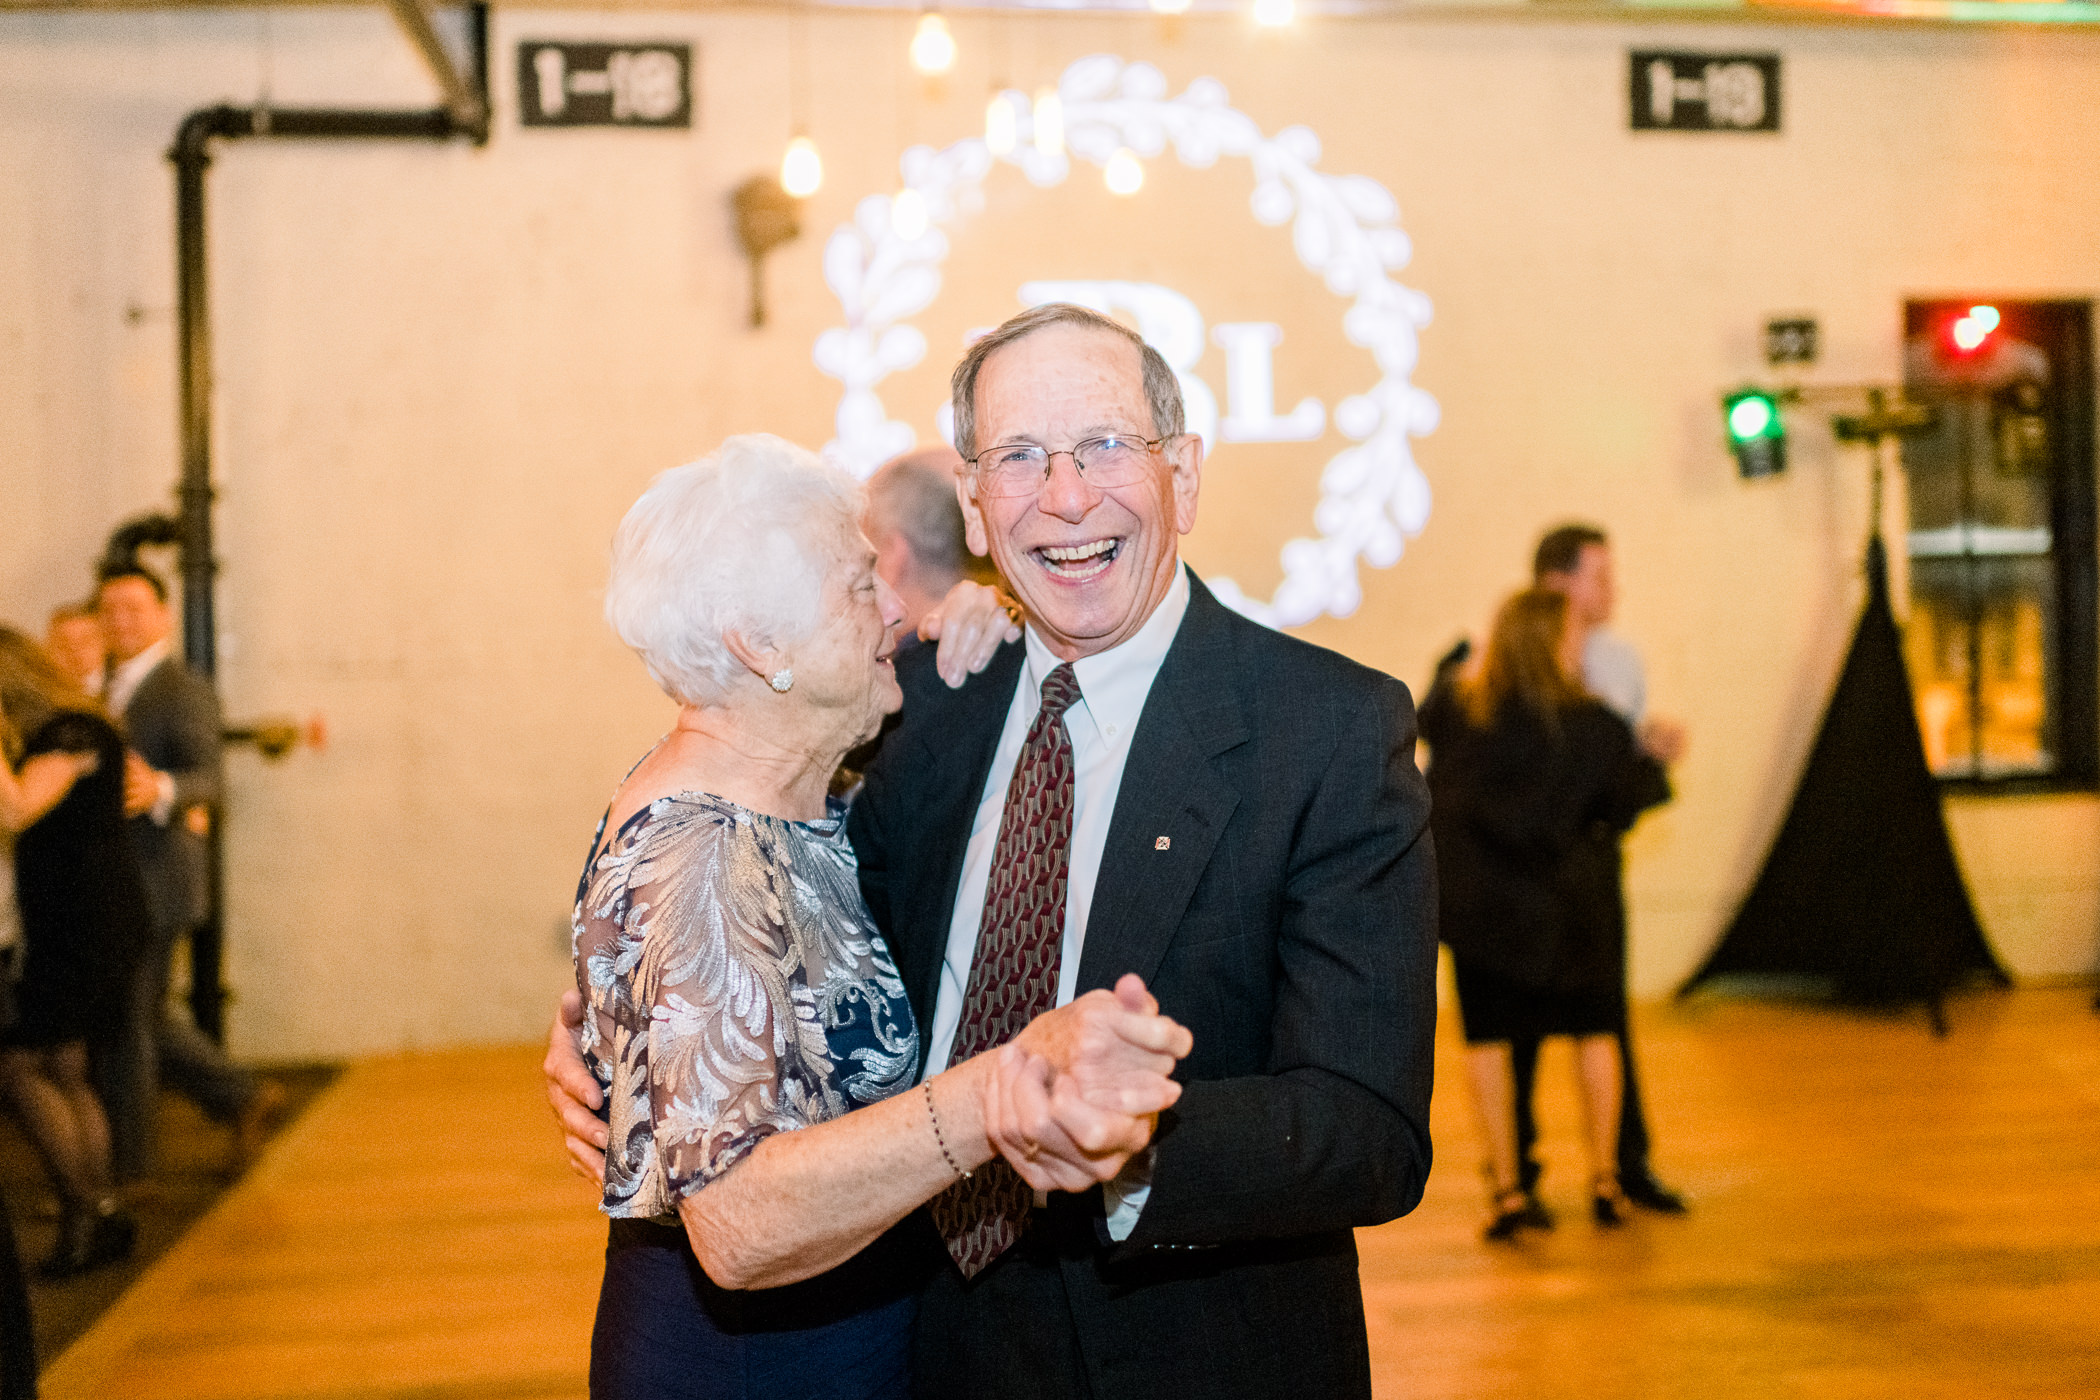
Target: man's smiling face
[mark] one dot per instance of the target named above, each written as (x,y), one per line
(1090,566)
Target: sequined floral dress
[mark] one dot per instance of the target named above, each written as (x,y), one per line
(735,988)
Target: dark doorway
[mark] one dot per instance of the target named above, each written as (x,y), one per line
(2001,633)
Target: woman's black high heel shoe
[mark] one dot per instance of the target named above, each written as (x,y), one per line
(1608,1204)
(1515,1210)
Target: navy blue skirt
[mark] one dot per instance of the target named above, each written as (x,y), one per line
(665,1331)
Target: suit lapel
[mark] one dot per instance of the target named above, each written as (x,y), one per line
(956,752)
(146,694)
(1171,792)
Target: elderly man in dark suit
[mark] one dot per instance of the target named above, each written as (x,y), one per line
(171,791)
(1241,824)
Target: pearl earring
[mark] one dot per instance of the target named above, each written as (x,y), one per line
(783,680)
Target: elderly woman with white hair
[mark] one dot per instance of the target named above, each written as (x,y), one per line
(751,1035)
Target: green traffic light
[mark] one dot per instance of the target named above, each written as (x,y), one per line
(1756,432)
(1752,416)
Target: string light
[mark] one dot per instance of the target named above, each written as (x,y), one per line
(1274,14)
(1123,173)
(801,169)
(932,47)
(1001,129)
(1049,122)
(908,214)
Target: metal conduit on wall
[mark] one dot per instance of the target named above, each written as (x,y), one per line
(465,113)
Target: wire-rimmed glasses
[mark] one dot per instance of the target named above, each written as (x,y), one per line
(1021,468)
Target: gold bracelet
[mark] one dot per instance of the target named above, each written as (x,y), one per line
(938,1136)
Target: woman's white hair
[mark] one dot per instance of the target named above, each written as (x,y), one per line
(741,540)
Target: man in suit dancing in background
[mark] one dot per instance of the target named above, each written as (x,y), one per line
(1237,818)
(171,793)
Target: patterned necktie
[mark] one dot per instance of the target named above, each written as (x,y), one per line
(1013,977)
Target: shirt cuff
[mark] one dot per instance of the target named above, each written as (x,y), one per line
(164,805)
(1125,1195)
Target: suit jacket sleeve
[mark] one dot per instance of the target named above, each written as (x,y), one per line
(191,744)
(1637,782)
(1336,1133)
(867,825)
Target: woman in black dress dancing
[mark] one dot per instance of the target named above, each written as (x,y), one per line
(1533,782)
(84,923)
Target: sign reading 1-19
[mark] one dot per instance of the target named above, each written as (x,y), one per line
(1704,91)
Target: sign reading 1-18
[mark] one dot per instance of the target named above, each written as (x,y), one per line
(564,84)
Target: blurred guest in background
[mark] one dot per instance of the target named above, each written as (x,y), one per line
(17,1332)
(17,1337)
(1575,561)
(915,523)
(75,641)
(916,526)
(84,924)
(948,594)
(1532,783)
(171,791)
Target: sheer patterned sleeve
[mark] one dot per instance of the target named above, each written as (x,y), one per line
(725,1046)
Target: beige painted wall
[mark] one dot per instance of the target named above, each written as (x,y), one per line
(442,373)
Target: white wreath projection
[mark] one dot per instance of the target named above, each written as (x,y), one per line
(1373,496)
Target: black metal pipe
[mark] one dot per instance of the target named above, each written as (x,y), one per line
(193,347)
(191,155)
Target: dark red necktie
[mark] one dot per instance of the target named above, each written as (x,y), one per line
(1013,977)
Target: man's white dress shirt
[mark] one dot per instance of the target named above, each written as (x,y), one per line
(1113,686)
(1611,671)
(126,677)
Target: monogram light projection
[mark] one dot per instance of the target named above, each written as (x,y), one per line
(1344,228)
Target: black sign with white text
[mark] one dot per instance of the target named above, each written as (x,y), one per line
(1704,91)
(1790,340)
(562,84)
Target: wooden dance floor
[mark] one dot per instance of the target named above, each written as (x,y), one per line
(1878,1214)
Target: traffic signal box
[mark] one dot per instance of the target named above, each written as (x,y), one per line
(1756,432)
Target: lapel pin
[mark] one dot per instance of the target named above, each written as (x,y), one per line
(1161,843)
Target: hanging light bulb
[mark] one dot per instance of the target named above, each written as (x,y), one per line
(1049,122)
(1274,14)
(932,47)
(1170,7)
(1001,130)
(1124,173)
(801,169)
(908,214)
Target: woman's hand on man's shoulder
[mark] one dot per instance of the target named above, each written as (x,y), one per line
(968,627)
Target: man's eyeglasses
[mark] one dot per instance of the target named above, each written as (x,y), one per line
(1021,468)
